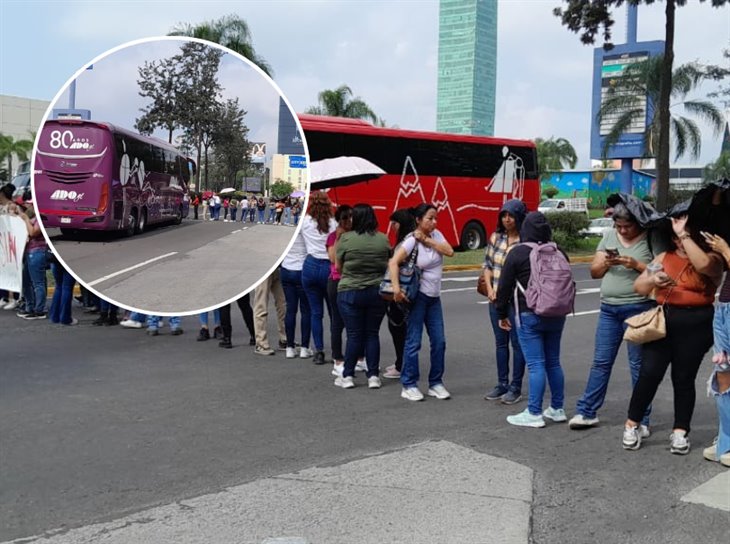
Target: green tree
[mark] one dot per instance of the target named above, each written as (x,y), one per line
(553,155)
(229,31)
(9,146)
(549,191)
(341,103)
(159,80)
(230,143)
(719,169)
(624,103)
(281,188)
(588,17)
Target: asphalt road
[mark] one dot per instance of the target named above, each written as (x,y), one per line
(98,423)
(209,261)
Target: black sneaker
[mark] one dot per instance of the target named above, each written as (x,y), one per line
(101,320)
(35,315)
(318,358)
(511,397)
(176,332)
(153,332)
(282,345)
(252,341)
(112,321)
(23,313)
(217,333)
(225,343)
(203,335)
(497,393)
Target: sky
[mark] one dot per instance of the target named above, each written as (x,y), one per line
(110,88)
(386,51)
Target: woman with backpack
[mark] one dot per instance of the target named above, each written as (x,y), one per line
(425,310)
(539,324)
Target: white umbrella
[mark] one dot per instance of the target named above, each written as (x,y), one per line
(342,171)
(227,190)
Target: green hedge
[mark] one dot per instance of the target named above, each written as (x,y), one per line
(566,227)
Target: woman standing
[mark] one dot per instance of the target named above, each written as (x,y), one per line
(362,257)
(343,216)
(621,256)
(504,238)
(316,226)
(686,287)
(539,335)
(34,269)
(426,308)
(296,299)
(402,223)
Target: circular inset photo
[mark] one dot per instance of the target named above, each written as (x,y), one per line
(158,179)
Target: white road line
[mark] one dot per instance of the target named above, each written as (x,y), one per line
(235,231)
(132,268)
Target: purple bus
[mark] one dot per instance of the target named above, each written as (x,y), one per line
(94,176)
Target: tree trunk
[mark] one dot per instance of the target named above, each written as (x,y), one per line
(199,168)
(665,89)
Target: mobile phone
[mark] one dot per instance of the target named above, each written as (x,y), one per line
(612,252)
(705,234)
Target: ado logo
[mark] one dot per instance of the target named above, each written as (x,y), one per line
(61,194)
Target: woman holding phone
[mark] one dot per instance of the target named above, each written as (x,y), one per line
(686,287)
(621,256)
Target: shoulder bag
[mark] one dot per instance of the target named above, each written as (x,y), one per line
(409,277)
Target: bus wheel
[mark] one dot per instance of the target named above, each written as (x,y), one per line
(142,223)
(132,226)
(179,216)
(473,236)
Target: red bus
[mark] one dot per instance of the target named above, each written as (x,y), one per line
(468,178)
(94,176)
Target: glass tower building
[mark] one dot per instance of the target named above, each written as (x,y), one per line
(467,69)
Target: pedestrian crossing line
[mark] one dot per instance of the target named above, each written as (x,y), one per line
(235,231)
(148,261)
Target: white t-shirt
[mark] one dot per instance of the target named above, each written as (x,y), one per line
(294,260)
(315,240)
(431,263)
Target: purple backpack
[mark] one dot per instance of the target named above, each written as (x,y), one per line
(551,289)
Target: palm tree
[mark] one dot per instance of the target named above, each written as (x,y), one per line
(229,31)
(643,79)
(554,154)
(720,169)
(9,146)
(337,103)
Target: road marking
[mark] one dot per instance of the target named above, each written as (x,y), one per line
(235,231)
(132,268)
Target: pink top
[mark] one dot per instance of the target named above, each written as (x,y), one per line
(331,239)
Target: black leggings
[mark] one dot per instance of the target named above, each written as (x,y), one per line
(398,327)
(689,336)
(245,305)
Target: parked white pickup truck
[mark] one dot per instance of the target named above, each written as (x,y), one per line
(563,205)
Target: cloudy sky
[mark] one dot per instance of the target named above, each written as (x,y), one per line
(386,51)
(110,88)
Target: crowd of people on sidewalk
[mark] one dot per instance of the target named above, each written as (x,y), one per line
(340,261)
(249,208)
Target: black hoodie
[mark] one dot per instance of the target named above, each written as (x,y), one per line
(535,228)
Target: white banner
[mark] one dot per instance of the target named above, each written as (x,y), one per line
(13,236)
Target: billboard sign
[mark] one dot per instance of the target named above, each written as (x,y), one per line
(608,69)
(258,153)
(297,161)
(290,138)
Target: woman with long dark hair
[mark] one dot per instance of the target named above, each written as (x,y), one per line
(343,216)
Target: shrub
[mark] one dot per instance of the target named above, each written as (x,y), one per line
(566,228)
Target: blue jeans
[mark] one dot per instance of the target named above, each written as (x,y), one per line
(287,216)
(314,280)
(609,335)
(34,281)
(233,214)
(362,311)
(721,328)
(216,212)
(722,400)
(261,215)
(502,340)
(291,282)
(203,318)
(62,296)
(138,317)
(244,214)
(153,322)
(425,311)
(540,341)
(272,215)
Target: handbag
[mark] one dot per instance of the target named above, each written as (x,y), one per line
(482,286)
(409,278)
(650,325)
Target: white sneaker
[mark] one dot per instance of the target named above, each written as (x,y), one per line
(338,368)
(374,382)
(526,419)
(679,443)
(11,305)
(345,382)
(439,391)
(411,393)
(131,324)
(644,431)
(291,353)
(556,414)
(579,421)
(362,365)
(305,353)
(631,439)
